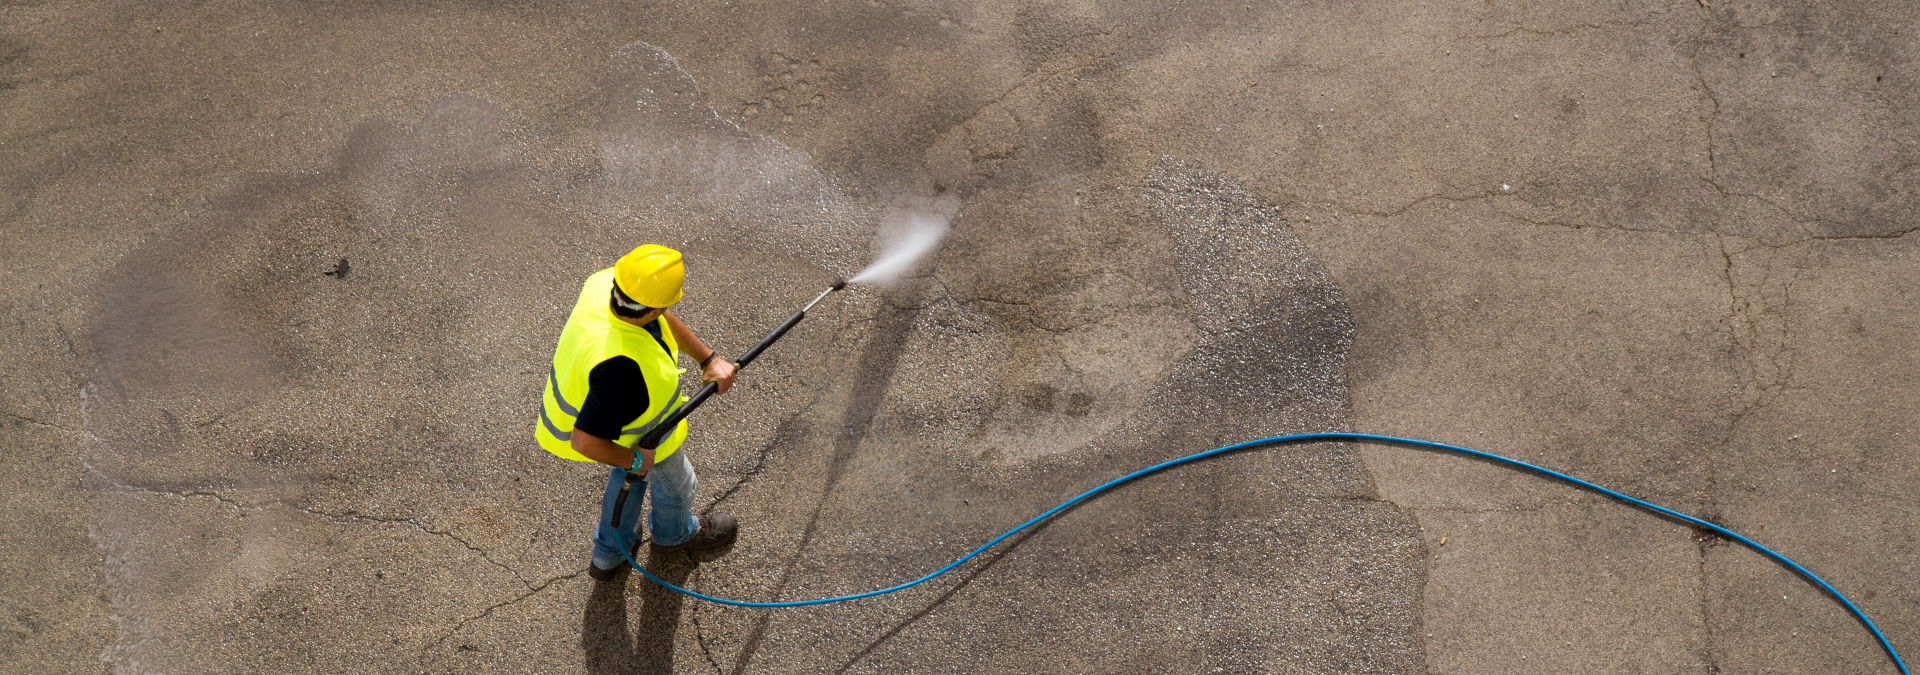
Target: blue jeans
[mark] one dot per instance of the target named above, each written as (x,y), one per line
(671,520)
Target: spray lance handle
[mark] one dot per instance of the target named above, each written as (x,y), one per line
(653,437)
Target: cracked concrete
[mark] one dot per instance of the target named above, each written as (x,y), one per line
(531,590)
(1663,247)
(348,517)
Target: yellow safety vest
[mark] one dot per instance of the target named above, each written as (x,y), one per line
(592,335)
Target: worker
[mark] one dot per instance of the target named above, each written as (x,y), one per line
(615,375)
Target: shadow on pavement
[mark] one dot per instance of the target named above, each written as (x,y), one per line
(604,636)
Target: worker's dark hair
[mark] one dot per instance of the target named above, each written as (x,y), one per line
(618,303)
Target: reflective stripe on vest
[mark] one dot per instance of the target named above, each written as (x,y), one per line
(553,389)
(591,336)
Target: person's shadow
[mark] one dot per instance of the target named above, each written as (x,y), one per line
(609,646)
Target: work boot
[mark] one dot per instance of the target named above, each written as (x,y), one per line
(594,570)
(716,530)
(607,574)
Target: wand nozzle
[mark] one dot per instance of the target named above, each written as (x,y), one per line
(837,284)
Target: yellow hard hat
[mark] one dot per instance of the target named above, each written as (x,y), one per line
(650,275)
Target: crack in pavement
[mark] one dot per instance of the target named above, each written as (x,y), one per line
(1769,361)
(1402,209)
(36,421)
(1743,331)
(531,591)
(1700,76)
(414,523)
(1706,643)
(1040,77)
(348,517)
(1030,312)
(783,434)
(1515,508)
(1583,226)
(1568,29)
(1456,198)
(1712,178)
(173,494)
(1353,210)
(700,632)
(1030,79)
(1889,236)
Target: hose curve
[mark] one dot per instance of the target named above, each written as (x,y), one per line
(1326,436)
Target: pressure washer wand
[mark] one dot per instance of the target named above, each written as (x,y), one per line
(659,432)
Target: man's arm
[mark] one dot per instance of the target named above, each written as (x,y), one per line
(616,396)
(606,452)
(717,369)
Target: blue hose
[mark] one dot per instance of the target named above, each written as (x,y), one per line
(1324,436)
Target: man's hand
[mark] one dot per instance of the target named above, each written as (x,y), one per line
(720,371)
(642,461)
(717,369)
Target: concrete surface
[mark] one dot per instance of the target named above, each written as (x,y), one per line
(1667,247)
